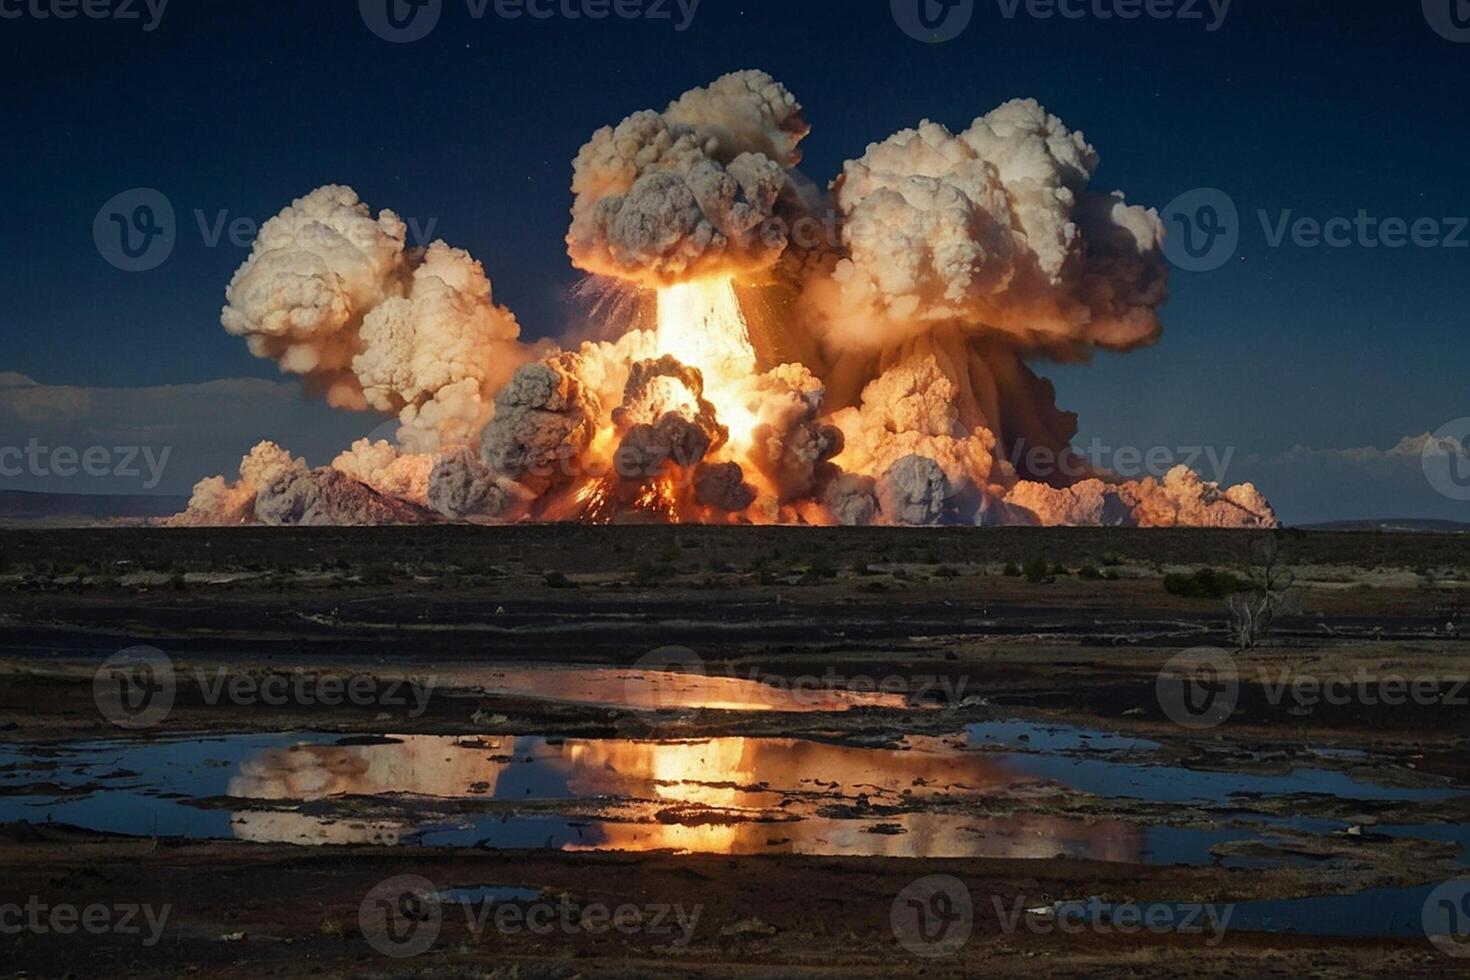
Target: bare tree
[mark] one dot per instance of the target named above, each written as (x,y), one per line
(1253,612)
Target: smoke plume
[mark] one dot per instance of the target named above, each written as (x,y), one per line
(276,489)
(331,293)
(881,373)
(666,197)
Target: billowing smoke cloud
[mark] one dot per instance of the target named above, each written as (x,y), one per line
(1181,499)
(276,489)
(665,419)
(852,499)
(889,380)
(218,502)
(912,411)
(331,293)
(913,491)
(694,190)
(672,440)
(960,256)
(545,420)
(462,487)
(791,446)
(722,487)
(381,466)
(993,230)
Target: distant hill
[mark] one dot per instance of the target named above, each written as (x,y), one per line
(25,507)
(1408,525)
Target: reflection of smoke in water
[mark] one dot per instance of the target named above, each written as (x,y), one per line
(729,795)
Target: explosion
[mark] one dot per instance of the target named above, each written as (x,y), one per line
(879,372)
(700,324)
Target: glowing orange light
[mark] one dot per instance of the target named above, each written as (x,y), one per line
(701,324)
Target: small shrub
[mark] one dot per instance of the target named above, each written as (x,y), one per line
(557,580)
(377,575)
(1012,570)
(822,568)
(1204,584)
(1037,570)
(1089,573)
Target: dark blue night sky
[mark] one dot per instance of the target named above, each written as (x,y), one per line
(1321,108)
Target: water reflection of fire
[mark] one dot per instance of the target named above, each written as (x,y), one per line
(721,795)
(657,690)
(905,835)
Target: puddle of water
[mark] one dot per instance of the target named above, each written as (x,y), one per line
(907,835)
(1035,737)
(1195,846)
(739,773)
(1174,784)
(139,805)
(1375,913)
(650,690)
(723,795)
(1069,755)
(1305,825)
(1188,845)
(718,795)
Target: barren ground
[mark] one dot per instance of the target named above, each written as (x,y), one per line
(1078,648)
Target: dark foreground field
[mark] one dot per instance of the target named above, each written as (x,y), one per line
(868,752)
